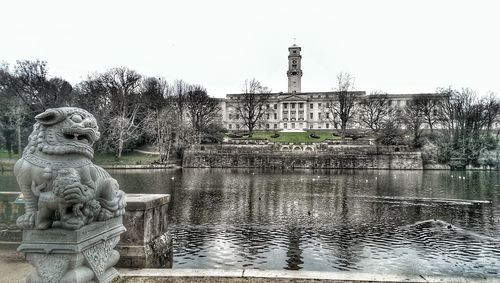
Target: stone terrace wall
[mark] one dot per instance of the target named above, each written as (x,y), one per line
(255,156)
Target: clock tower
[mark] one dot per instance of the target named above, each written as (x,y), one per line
(294,72)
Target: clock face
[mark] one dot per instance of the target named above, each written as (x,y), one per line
(294,61)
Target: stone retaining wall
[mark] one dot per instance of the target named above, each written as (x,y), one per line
(348,158)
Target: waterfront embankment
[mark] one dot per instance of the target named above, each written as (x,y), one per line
(301,156)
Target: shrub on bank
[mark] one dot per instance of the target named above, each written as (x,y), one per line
(313,135)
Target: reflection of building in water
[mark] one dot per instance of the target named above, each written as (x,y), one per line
(297,110)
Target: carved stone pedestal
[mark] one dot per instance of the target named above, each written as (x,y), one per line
(82,255)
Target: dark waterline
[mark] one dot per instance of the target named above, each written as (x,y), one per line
(334,220)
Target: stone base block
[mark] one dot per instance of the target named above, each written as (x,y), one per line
(146,244)
(82,255)
(156,254)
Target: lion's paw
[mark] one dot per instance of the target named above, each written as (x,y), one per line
(27,220)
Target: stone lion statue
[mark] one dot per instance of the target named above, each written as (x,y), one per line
(60,184)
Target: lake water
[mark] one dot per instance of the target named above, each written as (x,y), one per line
(391,222)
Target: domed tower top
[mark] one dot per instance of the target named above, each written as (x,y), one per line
(294,72)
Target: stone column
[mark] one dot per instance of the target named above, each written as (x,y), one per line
(306,117)
(280,114)
(146,244)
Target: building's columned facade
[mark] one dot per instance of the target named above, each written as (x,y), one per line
(295,110)
(285,111)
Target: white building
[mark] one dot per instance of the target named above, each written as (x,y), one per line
(295,110)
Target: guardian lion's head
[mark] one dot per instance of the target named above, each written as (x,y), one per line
(65,130)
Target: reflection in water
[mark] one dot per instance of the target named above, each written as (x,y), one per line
(366,221)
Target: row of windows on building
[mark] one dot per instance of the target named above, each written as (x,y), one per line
(285,116)
(300,105)
(294,105)
(277,97)
(286,126)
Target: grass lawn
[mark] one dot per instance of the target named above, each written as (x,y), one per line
(5,155)
(4,166)
(129,158)
(295,137)
(6,163)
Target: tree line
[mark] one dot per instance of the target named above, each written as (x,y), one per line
(134,110)
(131,109)
(459,123)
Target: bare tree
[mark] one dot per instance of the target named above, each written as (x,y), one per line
(31,84)
(13,115)
(492,108)
(123,87)
(155,92)
(413,119)
(180,90)
(446,111)
(13,110)
(162,127)
(467,122)
(169,126)
(251,105)
(202,111)
(429,106)
(92,95)
(341,106)
(165,126)
(374,110)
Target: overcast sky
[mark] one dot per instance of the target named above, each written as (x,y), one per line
(394,46)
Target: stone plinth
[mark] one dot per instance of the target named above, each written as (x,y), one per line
(146,243)
(82,255)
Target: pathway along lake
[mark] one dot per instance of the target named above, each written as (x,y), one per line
(377,221)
